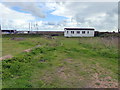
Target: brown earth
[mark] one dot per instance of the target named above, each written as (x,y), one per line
(106,82)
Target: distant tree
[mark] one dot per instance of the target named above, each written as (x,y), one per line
(113,31)
(118,30)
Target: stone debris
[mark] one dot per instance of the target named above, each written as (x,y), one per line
(27,50)
(17,38)
(6,57)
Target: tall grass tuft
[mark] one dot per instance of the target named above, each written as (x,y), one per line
(103,42)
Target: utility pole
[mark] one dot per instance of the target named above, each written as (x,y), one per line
(29,26)
(36,26)
(0,30)
(0,27)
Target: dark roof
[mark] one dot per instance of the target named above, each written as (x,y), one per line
(79,28)
(8,30)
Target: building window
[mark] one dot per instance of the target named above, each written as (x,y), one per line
(67,32)
(87,32)
(72,32)
(78,32)
(83,32)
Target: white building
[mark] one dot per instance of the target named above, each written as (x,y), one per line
(79,32)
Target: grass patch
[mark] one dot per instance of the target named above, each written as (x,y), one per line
(58,63)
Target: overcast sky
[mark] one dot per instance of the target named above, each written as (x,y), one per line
(103,16)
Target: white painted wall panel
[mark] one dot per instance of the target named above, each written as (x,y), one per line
(69,34)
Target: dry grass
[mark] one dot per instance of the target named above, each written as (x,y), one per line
(107,42)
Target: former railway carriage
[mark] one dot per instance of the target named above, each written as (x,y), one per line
(79,32)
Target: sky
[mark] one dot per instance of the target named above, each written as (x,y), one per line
(56,15)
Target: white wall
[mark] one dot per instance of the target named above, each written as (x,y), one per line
(69,34)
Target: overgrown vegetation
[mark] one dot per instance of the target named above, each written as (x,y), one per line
(62,63)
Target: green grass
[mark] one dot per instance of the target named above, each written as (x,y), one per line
(58,63)
(15,47)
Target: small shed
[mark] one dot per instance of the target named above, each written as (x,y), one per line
(8,31)
(79,32)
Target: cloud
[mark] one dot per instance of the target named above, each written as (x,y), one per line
(101,15)
(12,19)
(59,1)
(30,7)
